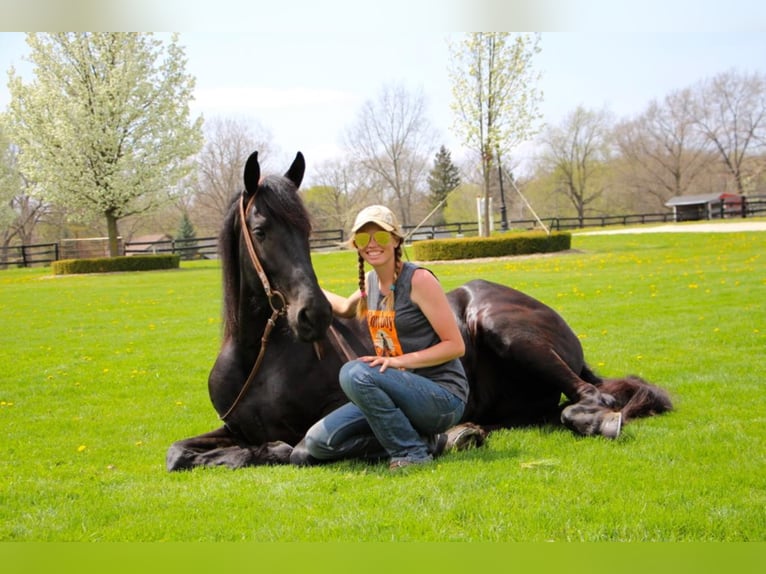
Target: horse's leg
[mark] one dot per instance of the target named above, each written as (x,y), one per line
(590,412)
(221,448)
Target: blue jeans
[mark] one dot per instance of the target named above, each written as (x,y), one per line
(390,414)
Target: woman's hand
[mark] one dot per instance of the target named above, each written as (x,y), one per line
(384,362)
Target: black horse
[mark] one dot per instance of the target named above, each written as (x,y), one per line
(277,371)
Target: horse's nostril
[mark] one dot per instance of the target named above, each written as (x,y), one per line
(313,321)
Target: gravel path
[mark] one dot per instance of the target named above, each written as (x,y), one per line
(718,227)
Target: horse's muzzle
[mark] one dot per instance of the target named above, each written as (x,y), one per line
(311,322)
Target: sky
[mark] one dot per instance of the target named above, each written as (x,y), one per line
(304,80)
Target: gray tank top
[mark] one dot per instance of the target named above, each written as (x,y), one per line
(415,332)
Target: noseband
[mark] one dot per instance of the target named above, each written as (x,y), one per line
(277,302)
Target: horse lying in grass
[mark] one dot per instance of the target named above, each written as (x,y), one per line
(277,370)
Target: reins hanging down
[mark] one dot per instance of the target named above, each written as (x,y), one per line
(280,308)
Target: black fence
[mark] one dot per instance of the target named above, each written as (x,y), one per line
(207,247)
(28,255)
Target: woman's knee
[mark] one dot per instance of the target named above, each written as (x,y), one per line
(352,374)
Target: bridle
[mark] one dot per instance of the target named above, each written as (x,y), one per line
(278,305)
(277,302)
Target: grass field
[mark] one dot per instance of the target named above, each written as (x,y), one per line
(102,372)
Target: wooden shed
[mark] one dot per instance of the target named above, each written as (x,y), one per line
(708,206)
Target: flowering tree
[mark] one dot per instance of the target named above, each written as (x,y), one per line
(104,128)
(494,96)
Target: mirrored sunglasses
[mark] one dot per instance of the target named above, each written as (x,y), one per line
(362,238)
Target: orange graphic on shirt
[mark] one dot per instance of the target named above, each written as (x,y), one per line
(383,333)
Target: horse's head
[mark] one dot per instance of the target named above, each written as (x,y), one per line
(274,254)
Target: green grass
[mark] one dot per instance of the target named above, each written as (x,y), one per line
(101,373)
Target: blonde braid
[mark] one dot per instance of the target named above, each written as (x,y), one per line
(388,300)
(361,308)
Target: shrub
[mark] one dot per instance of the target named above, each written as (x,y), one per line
(113,264)
(497,246)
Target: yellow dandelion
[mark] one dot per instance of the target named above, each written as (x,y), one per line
(81,448)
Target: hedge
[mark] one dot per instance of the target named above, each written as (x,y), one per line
(113,264)
(495,246)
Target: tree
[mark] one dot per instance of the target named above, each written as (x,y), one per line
(444,177)
(495,100)
(391,140)
(19,212)
(731,113)
(105,126)
(663,150)
(187,236)
(10,183)
(341,190)
(576,152)
(229,142)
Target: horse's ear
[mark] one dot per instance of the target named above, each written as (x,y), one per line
(252,174)
(296,171)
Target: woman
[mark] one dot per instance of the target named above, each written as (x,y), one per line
(414,387)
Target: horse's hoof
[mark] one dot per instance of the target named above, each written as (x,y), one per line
(465,436)
(611,425)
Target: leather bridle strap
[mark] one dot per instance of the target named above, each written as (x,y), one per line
(264,339)
(272,295)
(276,310)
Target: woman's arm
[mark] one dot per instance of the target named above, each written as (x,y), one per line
(343,306)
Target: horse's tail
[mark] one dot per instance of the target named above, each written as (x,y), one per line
(635,397)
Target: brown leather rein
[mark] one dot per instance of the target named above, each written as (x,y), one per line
(276,302)
(278,306)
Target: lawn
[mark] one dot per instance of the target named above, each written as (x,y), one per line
(102,372)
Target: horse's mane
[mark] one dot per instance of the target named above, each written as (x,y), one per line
(276,199)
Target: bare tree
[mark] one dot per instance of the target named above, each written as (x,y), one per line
(392,140)
(19,211)
(341,190)
(731,112)
(228,143)
(663,150)
(575,153)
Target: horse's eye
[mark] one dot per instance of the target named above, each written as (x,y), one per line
(259,233)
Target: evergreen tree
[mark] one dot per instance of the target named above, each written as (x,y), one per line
(187,238)
(443,178)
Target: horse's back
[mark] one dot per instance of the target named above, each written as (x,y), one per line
(482,304)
